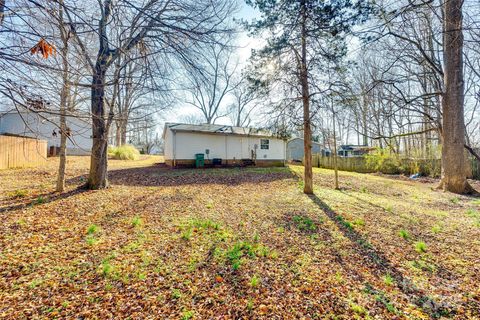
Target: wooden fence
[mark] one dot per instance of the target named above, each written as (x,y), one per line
(355,164)
(17,152)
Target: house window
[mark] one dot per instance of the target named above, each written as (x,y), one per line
(264,144)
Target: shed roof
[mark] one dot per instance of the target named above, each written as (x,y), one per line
(218,129)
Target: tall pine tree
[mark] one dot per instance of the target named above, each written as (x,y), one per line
(301,36)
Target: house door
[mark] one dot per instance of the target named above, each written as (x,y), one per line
(246,149)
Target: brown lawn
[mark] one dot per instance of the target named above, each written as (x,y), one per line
(234,244)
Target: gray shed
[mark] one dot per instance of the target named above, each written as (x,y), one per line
(295,149)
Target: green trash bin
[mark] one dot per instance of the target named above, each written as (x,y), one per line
(199,160)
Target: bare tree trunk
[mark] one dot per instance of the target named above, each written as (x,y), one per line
(453,157)
(124,132)
(335,164)
(64,98)
(118,133)
(307,130)
(2,10)
(98,162)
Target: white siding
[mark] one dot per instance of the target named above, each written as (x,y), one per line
(187,144)
(32,125)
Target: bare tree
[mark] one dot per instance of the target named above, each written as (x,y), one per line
(209,83)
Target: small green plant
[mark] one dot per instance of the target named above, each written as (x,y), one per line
(345,223)
(187,315)
(91,240)
(238,251)
(473,213)
(389,208)
(436,229)
(420,247)
(422,265)
(388,280)
(304,223)
(209,205)
(125,152)
(363,190)
(455,200)
(358,309)
(35,283)
(187,234)
(176,294)
(40,200)
(137,222)
(339,277)
(92,229)
(250,305)
(359,222)
(255,281)
(404,234)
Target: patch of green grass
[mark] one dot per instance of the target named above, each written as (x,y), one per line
(358,309)
(91,240)
(21,222)
(455,200)
(304,223)
(240,250)
(389,208)
(40,200)
(359,222)
(176,294)
(204,224)
(420,247)
(363,190)
(380,297)
(476,202)
(107,268)
(92,229)
(35,283)
(137,222)
(473,213)
(422,265)
(344,222)
(388,280)
(250,304)
(436,229)
(187,234)
(404,234)
(255,281)
(19,193)
(187,315)
(339,277)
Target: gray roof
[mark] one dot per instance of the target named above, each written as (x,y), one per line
(218,129)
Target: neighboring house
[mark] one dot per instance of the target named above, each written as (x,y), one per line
(46,126)
(351,150)
(233,145)
(295,149)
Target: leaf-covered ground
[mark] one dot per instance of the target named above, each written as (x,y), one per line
(234,244)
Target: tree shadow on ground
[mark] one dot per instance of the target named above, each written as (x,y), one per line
(161,176)
(41,199)
(381,265)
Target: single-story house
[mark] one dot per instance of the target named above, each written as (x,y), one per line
(296,151)
(351,150)
(228,145)
(45,126)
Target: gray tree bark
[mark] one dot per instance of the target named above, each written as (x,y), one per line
(453,157)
